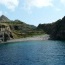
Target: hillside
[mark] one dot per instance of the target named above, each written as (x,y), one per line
(17,28)
(56,30)
(4,19)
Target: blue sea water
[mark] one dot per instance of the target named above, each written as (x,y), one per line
(33,53)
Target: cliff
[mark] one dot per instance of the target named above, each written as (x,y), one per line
(56,30)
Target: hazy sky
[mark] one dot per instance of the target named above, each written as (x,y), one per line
(33,11)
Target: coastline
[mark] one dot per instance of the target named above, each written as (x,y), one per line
(39,37)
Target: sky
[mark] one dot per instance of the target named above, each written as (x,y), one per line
(33,12)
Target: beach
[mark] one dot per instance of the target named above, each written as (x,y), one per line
(39,37)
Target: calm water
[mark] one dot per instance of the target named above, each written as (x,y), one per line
(33,53)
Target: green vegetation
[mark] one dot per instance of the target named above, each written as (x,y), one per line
(56,30)
(18,28)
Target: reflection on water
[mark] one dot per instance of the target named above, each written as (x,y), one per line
(33,53)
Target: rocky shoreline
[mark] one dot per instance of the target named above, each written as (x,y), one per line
(39,37)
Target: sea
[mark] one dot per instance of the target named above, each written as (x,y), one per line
(46,52)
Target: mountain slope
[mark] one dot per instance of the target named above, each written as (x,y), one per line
(56,30)
(4,19)
(17,27)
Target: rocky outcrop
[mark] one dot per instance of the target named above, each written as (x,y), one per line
(4,19)
(58,31)
(5,32)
